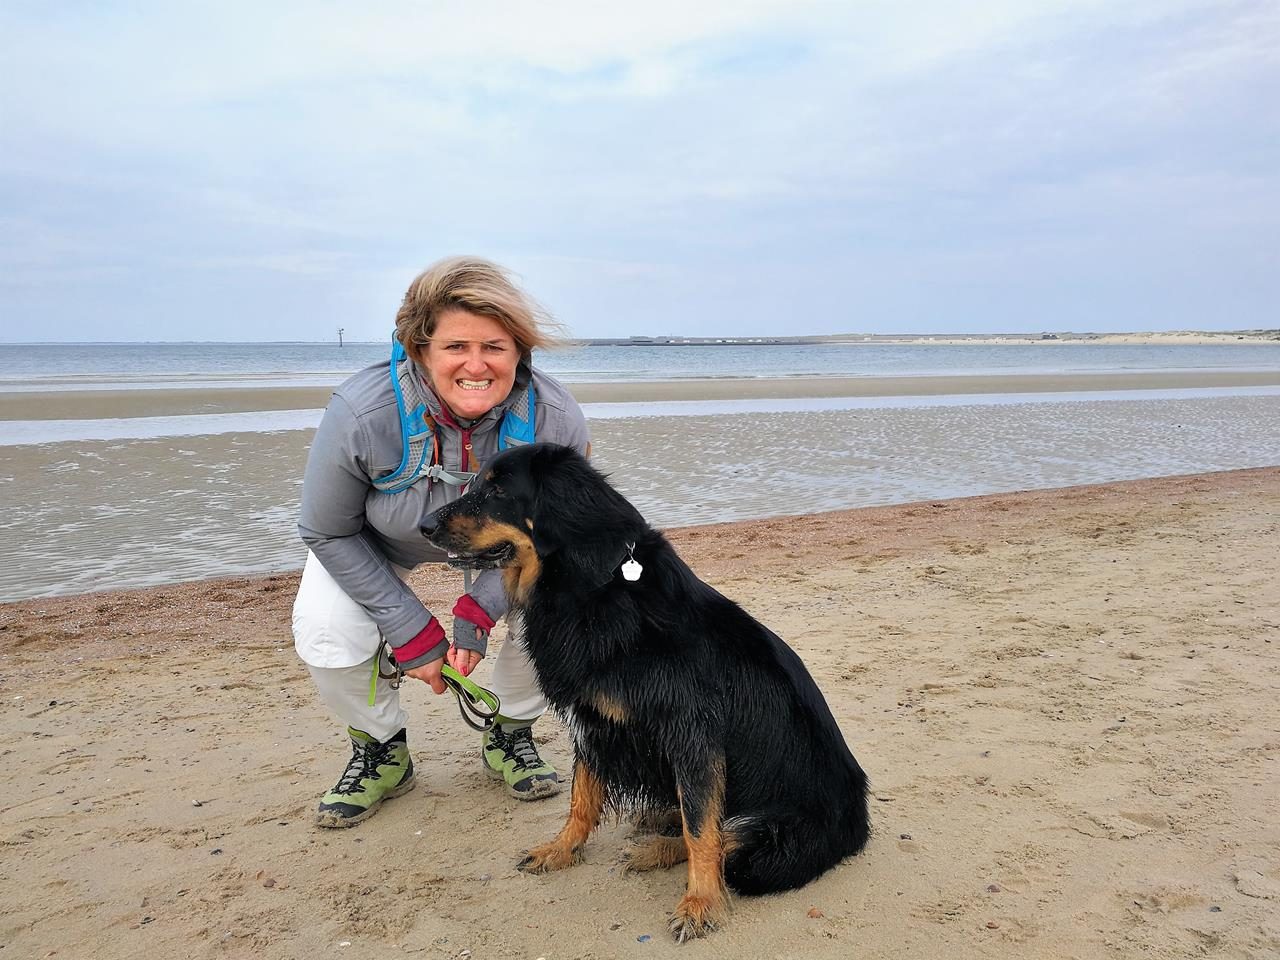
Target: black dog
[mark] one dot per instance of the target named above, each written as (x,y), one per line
(678,701)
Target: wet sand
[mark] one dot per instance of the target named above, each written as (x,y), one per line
(138,512)
(96,404)
(1067,701)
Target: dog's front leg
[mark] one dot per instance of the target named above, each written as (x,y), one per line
(706,901)
(586,804)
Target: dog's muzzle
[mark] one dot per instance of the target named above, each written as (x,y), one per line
(488,559)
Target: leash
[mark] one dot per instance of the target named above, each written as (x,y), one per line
(478,705)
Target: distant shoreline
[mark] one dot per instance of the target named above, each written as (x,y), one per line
(942,339)
(835,339)
(179,401)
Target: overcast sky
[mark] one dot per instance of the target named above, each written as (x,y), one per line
(248,171)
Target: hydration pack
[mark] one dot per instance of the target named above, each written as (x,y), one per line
(418,429)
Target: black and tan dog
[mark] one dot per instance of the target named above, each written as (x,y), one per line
(680,704)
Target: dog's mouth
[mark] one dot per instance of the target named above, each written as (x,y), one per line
(490,558)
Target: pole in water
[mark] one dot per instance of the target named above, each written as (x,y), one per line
(341,331)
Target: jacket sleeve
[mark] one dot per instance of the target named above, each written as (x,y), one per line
(563,423)
(332,524)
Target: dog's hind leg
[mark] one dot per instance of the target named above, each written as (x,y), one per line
(667,822)
(586,804)
(654,853)
(706,900)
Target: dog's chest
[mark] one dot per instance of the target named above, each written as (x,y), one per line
(621,751)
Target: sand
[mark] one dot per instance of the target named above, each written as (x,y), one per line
(99,403)
(1068,702)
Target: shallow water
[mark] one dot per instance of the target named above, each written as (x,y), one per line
(102,514)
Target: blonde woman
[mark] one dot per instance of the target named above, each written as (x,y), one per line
(397,442)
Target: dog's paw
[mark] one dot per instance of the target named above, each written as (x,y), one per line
(695,917)
(548,857)
(654,853)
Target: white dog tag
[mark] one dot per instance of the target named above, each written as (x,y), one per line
(631,570)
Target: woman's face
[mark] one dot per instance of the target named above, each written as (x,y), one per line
(470,362)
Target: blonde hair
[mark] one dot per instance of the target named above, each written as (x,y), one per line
(477,286)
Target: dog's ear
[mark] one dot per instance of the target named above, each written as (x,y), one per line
(578,516)
(556,512)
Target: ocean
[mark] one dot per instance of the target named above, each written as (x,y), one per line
(67,366)
(95,504)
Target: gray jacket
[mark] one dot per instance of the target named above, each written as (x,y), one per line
(357,532)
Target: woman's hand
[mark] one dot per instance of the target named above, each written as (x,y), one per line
(463,660)
(429,673)
(471,626)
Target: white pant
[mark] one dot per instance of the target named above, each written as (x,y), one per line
(338,641)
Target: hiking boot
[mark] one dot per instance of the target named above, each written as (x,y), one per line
(509,754)
(375,772)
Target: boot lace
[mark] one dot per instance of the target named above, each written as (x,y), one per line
(519,746)
(363,765)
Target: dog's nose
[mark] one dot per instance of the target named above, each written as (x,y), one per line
(429,525)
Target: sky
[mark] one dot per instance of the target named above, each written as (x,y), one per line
(232,171)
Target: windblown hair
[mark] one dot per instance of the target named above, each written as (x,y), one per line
(477,286)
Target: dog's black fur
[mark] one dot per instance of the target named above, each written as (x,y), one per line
(675,696)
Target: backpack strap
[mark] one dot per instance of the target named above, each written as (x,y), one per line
(421,457)
(518,424)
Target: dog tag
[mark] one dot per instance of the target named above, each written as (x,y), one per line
(631,570)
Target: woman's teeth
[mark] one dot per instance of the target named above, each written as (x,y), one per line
(474,384)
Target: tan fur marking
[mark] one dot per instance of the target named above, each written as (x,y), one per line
(654,853)
(520,574)
(609,708)
(462,526)
(706,900)
(586,805)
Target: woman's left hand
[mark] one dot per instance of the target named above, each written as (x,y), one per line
(462,660)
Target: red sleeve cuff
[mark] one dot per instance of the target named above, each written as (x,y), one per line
(432,636)
(468,609)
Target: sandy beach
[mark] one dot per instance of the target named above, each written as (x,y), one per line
(1067,701)
(176,401)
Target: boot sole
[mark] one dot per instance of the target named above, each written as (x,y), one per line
(540,790)
(331,821)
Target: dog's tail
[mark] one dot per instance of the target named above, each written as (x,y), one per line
(769,853)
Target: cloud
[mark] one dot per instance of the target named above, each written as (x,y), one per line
(733,161)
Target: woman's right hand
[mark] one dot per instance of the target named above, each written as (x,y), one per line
(429,673)
(462,659)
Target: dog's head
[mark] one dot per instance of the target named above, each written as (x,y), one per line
(532,504)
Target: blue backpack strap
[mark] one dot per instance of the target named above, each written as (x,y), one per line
(518,425)
(416,433)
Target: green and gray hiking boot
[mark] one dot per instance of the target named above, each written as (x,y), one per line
(375,772)
(509,754)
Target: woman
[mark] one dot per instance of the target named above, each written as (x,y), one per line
(389,451)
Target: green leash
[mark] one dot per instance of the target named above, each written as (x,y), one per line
(478,705)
